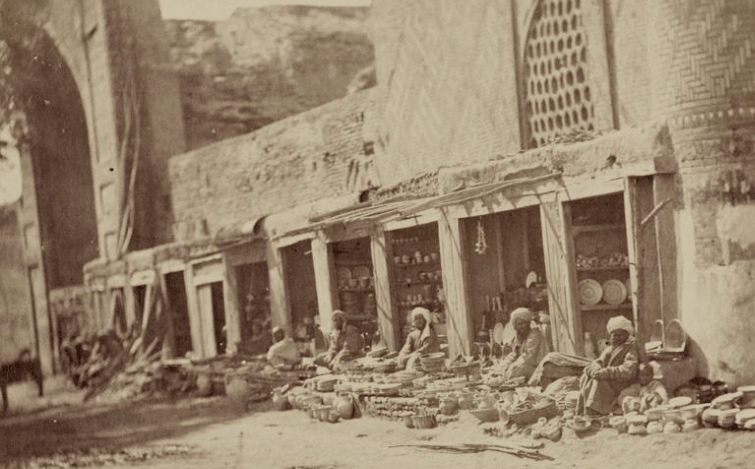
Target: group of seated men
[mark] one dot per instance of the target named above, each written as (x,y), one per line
(615,378)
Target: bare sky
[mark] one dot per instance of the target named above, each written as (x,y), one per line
(222,9)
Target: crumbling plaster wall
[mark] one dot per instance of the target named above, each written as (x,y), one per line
(325,152)
(702,80)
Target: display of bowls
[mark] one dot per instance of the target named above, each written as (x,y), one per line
(726,401)
(679,401)
(674,415)
(654,415)
(590,292)
(748,397)
(743,416)
(710,416)
(672,427)
(693,411)
(614,292)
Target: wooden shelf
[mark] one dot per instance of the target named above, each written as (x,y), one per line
(419,282)
(605,307)
(593,269)
(577,229)
(418,264)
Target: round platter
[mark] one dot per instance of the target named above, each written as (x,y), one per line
(590,292)
(361,272)
(614,292)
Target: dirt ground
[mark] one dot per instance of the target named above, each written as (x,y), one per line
(60,430)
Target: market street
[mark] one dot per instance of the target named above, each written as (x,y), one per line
(211,433)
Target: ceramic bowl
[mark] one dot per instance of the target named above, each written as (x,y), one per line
(675,416)
(654,414)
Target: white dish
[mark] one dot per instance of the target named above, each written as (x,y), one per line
(590,292)
(614,292)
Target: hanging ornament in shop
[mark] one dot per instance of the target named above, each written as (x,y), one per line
(481,245)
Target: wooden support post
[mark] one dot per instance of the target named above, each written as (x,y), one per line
(232,307)
(559,254)
(382,253)
(195,324)
(665,237)
(635,253)
(280,306)
(327,301)
(454,285)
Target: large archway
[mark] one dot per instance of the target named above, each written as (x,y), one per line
(57,221)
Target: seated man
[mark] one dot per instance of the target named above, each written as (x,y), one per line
(283,353)
(615,369)
(346,343)
(527,348)
(421,340)
(647,394)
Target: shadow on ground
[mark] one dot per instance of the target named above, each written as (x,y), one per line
(77,427)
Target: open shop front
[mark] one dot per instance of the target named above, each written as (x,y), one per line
(416,278)
(301,294)
(505,268)
(249,328)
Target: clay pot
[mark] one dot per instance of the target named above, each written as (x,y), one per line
(344,406)
(449,406)
(408,420)
(279,401)
(466,400)
(324,412)
(334,417)
(204,385)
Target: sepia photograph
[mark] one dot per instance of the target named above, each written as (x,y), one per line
(377,234)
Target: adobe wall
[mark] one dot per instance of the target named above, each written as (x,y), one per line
(322,153)
(702,80)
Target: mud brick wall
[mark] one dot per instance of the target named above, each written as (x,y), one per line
(324,152)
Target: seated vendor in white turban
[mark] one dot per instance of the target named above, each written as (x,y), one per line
(284,352)
(421,340)
(346,343)
(528,347)
(603,380)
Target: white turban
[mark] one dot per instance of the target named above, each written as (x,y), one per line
(619,322)
(424,312)
(521,313)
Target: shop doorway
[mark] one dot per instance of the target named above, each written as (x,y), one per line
(417,276)
(218,317)
(253,296)
(505,268)
(601,264)
(302,293)
(354,275)
(179,312)
(140,294)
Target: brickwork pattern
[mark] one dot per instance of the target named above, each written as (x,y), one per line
(321,153)
(447,84)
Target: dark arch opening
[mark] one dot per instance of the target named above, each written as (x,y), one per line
(43,88)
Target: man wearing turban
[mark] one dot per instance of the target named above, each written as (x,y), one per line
(528,347)
(283,353)
(420,341)
(603,380)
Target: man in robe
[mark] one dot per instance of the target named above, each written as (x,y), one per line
(528,347)
(421,340)
(283,353)
(603,380)
(346,343)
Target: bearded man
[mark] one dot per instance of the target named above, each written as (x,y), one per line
(603,380)
(528,347)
